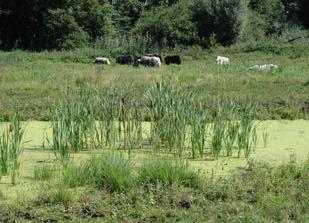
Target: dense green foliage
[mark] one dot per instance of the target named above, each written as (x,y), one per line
(34,82)
(257,193)
(221,19)
(68,24)
(169,26)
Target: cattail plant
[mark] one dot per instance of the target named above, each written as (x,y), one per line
(168,110)
(247,136)
(105,114)
(60,141)
(265,137)
(198,129)
(218,130)
(232,126)
(76,117)
(11,142)
(16,141)
(4,150)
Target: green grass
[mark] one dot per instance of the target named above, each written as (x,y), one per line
(34,82)
(167,172)
(11,147)
(207,115)
(257,193)
(255,188)
(43,172)
(110,171)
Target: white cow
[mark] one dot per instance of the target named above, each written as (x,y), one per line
(264,67)
(150,61)
(102,60)
(223,60)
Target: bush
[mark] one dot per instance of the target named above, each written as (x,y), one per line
(169,26)
(59,194)
(43,173)
(167,172)
(63,31)
(223,19)
(271,13)
(76,176)
(110,171)
(94,18)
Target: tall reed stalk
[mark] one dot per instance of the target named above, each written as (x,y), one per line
(179,122)
(11,142)
(198,130)
(60,141)
(247,136)
(17,134)
(4,150)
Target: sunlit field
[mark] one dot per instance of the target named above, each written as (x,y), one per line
(112,143)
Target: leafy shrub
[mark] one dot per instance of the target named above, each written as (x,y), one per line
(271,12)
(11,147)
(54,194)
(110,171)
(168,25)
(75,176)
(223,19)
(43,173)
(167,172)
(64,32)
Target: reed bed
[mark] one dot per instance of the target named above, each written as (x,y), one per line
(11,146)
(180,123)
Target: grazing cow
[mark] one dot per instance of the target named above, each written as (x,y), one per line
(102,60)
(172,59)
(150,61)
(223,60)
(264,67)
(154,55)
(125,59)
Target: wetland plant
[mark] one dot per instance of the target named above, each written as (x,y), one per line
(11,142)
(111,171)
(167,172)
(105,114)
(198,130)
(265,137)
(4,150)
(43,172)
(60,141)
(247,135)
(16,141)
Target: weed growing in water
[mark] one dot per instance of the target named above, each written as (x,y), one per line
(167,172)
(43,172)
(11,142)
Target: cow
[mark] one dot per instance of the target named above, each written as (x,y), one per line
(223,60)
(264,67)
(154,55)
(102,60)
(150,61)
(125,59)
(172,59)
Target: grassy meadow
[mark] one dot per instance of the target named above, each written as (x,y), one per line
(191,143)
(33,81)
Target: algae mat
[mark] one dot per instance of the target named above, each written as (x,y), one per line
(284,139)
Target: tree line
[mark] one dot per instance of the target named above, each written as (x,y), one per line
(69,24)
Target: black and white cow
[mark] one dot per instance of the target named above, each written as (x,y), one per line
(150,61)
(102,60)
